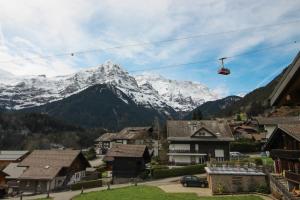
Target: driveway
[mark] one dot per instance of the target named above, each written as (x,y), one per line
(178,188)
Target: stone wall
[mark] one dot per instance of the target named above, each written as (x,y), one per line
(234,183)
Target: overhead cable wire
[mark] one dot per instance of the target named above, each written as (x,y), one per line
(74,53)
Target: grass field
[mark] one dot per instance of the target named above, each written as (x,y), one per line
(152,193)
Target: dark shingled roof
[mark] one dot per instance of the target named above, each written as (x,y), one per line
(183,130)
(45,164)
(287,77)
(291,129)
(125,150)
(277,120)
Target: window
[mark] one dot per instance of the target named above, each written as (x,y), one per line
(219,155)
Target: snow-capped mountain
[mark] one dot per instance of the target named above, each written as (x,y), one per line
(152,92)
(180,95)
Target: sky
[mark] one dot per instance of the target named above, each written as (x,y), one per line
(34,32)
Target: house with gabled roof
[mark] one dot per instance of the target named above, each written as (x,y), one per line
(7,157)
(128,135)
(269,124)
(127,161)
(287,91)
(193,142)
(51,169)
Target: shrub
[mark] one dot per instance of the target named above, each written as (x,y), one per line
(86,184)
(263,188)
(188,170)
(90,154)
(245,146)
(144,175)
(156,167)
(258,161)
(220,188)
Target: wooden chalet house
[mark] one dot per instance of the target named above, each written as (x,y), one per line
(7,157)
(284,147)
(51,170)
(287,92)
(128,135)
(192,142)
(127,161)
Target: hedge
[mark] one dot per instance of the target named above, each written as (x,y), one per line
(180,171)
(86,184)
(245,147)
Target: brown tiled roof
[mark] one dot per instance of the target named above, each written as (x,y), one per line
(128,133)
(126,150)
(277,120)
(45,164)
(106,137)
(40,173)
(183,130)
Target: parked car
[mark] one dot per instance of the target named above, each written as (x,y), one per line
(237,155)
(193,181)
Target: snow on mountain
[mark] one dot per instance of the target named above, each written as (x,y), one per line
(181,95)
(153,91)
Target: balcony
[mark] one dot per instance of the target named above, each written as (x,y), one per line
(185,152)
(286,154)
(181,151)
(292,176)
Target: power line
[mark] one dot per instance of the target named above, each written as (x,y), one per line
(213,60)
(151,42)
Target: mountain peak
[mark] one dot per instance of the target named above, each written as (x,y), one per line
(148,90)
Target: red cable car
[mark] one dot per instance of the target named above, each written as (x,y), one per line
(223,70)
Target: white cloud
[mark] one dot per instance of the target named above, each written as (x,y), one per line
(35,27)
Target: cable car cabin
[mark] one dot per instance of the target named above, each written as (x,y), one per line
(224,71)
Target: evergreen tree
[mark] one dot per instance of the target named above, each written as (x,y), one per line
(197,115)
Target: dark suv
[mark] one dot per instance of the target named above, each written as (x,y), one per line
(193,181)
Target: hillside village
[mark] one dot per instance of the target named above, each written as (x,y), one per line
(240,154)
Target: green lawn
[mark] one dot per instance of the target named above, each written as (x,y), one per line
(152,193)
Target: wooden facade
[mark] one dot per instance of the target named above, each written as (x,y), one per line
(127,161)
(287,92)
(284,147)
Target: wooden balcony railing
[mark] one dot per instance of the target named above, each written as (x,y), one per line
(293,176)
(287,154)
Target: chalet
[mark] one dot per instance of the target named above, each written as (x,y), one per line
(104,142)
(269,124)
(7,157)
(247,132)
(284,147)
(192,142)
(129,135)
(287,91)
(51,170)
(13,172)
(127,161)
